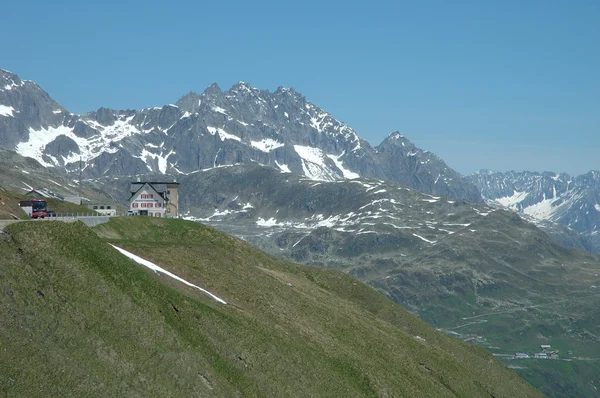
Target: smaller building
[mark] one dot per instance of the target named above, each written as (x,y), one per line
(44,193)
(541,355)
(521,355)
(545,347)
(78,200)
(105,210)
(37,193)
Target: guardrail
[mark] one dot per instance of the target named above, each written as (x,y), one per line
(86,214)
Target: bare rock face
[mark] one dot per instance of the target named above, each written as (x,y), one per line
(279,129)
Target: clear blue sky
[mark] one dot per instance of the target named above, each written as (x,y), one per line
(485,84)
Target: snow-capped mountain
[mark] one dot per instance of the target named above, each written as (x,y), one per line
(560,198)
(279,129)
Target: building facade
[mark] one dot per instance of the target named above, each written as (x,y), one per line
(155,199)
(105,210)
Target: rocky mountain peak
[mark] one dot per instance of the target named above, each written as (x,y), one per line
(9,80)
(242,125)
(189,102)
(485,172)
(242,86)
(213,89)
(395,139)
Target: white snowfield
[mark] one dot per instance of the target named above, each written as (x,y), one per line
(266,145)
(223,135)
(6,110)
(315,168)
(156,268)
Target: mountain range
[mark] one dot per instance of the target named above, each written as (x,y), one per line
(559,198)
(280,129)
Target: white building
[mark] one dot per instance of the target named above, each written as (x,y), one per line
(105,210)
(155,199)
(521,355)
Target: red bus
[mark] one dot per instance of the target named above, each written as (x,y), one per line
(34,207)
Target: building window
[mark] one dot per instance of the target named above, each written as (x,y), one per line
(168,191)
(95,207)
(151,196)
(108,207)
(102,207)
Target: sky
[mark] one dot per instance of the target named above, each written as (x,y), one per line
(500,85)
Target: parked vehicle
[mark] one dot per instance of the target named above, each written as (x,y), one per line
(50,213)
(132,213)
(34,207)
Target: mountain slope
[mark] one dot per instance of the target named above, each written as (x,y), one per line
(20,175)
(241,125)
(570,201)
(477,272)
(83,319)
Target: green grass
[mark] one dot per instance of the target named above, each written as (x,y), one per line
(60,206)
(9,205)
(81,319)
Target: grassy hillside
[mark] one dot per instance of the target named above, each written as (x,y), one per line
(79,319)
(9,205)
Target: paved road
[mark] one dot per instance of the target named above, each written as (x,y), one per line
(90,221)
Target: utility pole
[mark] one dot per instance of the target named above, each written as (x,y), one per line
(198,138)
(80,186)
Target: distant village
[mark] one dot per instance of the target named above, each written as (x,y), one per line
(546,352)
(154,199)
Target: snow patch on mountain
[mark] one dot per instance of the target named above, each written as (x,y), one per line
(218,109)
(89,147)
(425,239)
(512,201)
(266,145)
(161,270)
(223,135)
(283,167)
(162,159)
(339,164)
(313,164)
(6,110)
(543,210)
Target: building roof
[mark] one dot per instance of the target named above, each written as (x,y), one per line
(158,186)
(38,192)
